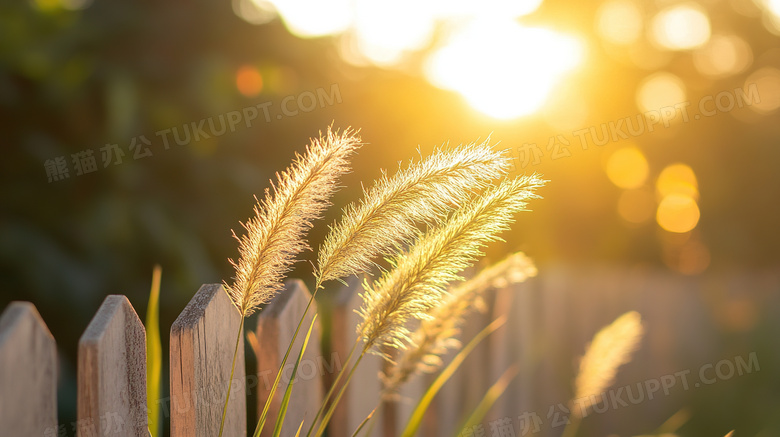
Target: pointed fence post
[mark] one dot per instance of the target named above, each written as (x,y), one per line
(364,392)
(203,339)
(275,328)
(28,373)
(112,372)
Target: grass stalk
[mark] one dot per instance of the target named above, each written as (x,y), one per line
(422,406)
(332,408)
(332,388)
(230,381)
(492,395)
(272,393)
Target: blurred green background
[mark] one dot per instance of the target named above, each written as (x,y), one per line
(692,197)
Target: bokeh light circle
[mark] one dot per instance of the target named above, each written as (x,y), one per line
(681,27)
(627,168)
(678,213)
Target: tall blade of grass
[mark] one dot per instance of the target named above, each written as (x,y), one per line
(230,381)
(492,395)
(675,422)
(364,422)
(286,399)
(422,406)
(267,406)
(300,427)
(153,354)
(329,414)
(332,389)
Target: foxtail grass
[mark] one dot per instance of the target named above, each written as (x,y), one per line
(440,332)
(611,347)
(415,420)
(419,277)
(275,235)
(387,216)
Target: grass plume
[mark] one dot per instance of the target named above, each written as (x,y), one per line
(387,215)
(274,236)
(420,276)
(611,347)
(439,333)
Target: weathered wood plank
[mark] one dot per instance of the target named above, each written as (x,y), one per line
(28,373)
(203,339)
(554,330)
(275,328)
(502,348)
(523,325)
(365,390)
(112,372)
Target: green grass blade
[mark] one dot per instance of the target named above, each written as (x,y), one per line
(492,395)
(422,406)
(230,381)
(364,422)
(272,393)
(154,354)
(300,427)
(332,389)
(286,399)
(329,414)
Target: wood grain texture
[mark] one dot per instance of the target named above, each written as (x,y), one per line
(203,339)
(112,372)
(275,328)
(28,373)
(365,389)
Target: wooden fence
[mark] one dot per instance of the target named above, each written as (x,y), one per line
(551,318)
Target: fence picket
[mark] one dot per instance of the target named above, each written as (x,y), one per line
(365,389)
(502,348)
(112,372)
(275,327)
(203,340)
(28,373)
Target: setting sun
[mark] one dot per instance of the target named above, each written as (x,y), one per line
(503,69)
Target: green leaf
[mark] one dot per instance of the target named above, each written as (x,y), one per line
(422,406)
(288,392)
(490,398)
(154,354)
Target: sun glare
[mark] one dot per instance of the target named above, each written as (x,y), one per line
(315,18)
(378,36)
(467,8)
(503,69)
